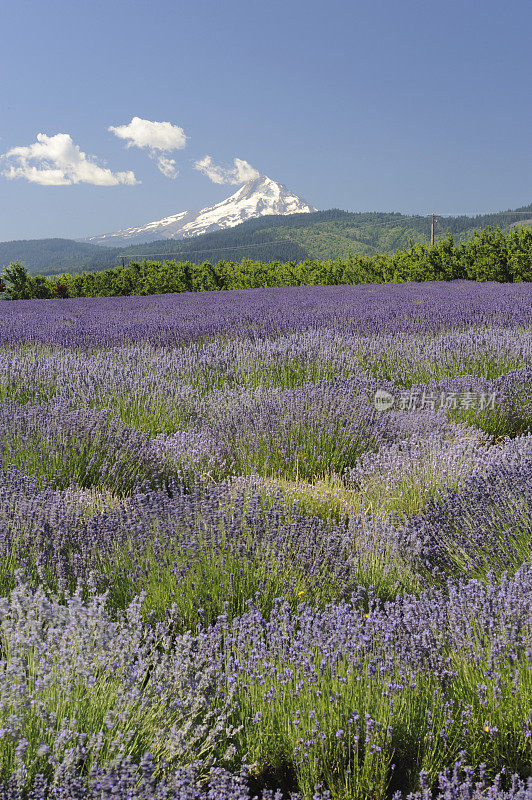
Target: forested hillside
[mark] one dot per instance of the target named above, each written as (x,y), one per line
(323,235)
(57,255)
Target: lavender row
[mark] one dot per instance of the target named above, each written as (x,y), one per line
(199,551)
(304,432)
(485,525)
(97,377)
(172,319)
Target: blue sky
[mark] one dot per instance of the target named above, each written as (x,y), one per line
(403,105)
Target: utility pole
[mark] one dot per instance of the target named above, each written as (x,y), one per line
(432,231)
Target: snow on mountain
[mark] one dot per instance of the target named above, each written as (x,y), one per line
(256,198)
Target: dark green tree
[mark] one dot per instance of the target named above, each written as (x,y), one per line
(18,282)
(485,256)
(519,250)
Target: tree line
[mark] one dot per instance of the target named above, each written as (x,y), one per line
(489,255)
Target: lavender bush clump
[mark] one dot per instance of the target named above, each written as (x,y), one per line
(486,525)
(78,687)
(269,544)
(406,474)
(63,447)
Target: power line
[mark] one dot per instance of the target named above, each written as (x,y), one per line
(222,248)
(477,216)
(212,250)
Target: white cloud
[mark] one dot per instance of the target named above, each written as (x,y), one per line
(240,173)
(154,135)
(167,166)
(57,161)
(158,137)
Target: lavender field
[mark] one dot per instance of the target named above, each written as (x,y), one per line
(267,543)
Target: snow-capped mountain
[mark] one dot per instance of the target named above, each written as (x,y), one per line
(255,198)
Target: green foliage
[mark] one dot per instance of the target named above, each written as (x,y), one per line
(16,280)
(22,286)
(423,262)
(519,255)
(485,257)
(60,290)
(489,255)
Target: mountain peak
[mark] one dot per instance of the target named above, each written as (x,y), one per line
(256,198)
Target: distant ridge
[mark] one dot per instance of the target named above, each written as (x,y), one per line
(57,254)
